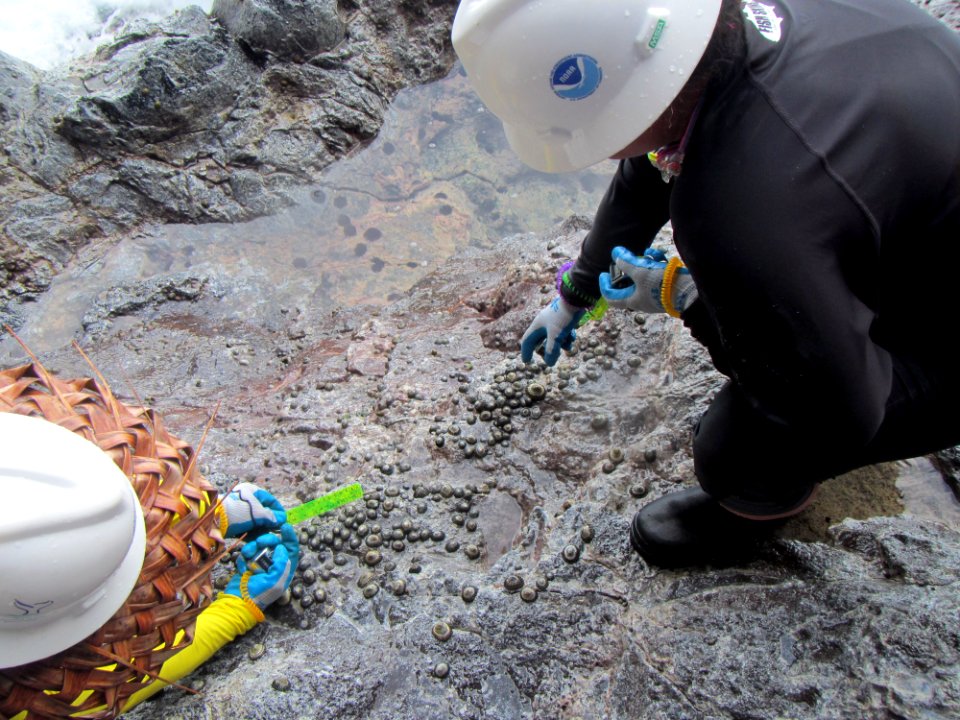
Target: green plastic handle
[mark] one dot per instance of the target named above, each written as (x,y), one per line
(324,503)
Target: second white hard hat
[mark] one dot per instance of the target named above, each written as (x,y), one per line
(71,538)
(575,82)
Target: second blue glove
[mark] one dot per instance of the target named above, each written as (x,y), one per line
(266,585)
(554,327)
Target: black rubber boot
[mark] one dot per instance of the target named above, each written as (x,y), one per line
(691,528)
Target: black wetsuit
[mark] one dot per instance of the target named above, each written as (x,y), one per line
(818,210)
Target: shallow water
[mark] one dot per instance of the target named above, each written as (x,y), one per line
(438,178)
(925,494)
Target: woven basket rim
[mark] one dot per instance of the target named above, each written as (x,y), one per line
(158,617)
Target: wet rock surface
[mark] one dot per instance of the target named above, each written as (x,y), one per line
(289,30)
(487,571)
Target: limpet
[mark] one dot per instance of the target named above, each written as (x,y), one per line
(442,631)
(512,583)
(571,553)
(639,489)
(468,593)
(599,422)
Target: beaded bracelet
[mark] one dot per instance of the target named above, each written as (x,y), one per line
(564,283)
(666,286)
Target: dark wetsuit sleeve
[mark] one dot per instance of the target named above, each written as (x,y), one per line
(633,210)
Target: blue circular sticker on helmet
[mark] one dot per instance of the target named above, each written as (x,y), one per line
(576,77)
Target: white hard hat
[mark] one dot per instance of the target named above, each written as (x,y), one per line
(575,82)
(71,538)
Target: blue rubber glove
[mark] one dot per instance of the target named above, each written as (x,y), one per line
(264,586)
(554,327)
(249,508)
(646,274)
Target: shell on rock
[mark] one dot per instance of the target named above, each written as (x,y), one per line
(512,583)
(442,631)
(571,553)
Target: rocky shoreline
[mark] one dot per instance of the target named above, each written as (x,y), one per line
(487,573)
(196,119)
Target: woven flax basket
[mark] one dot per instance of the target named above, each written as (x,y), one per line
(183,544)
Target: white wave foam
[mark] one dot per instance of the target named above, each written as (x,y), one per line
(47,33)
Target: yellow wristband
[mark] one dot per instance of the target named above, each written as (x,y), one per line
(222,518)
(666,286)
(245,594)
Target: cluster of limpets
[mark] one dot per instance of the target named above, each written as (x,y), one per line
(597,349)
(493,409)
(376,534)
(494,406)
(514,583)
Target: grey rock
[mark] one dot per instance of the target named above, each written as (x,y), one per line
(148,89)
(285,29)
(17,78)
(177,194)
(128,300)
(946,10)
